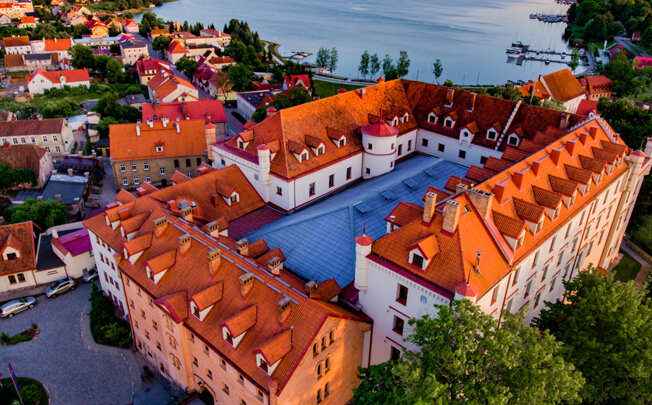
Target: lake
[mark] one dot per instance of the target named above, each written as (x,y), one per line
(469,36)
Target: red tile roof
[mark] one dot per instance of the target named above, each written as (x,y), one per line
(20,237)
(22,156)
(208,110)
(586,107)
(9,42)
(61,76)
(52,45)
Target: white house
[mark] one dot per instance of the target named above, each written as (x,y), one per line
(41,80)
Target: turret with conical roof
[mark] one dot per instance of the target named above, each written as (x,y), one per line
(379,141)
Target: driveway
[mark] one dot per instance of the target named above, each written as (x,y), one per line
(64,357)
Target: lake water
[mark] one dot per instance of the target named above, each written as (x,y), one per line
(469,36)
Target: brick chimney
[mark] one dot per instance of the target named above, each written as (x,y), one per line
(70,172)
(284,308)
(555,154)
(214,260)
(213,229)
(246,284)
(57,197)
(451,216)
(482,201)
(275,265)
(160,225)
(593,131)
(536,166)
(570,146)
(186,213)
(429,206)
(243,246)
(563,122)
(517,178)
(311,287)
(461,187)
(185,241)
(450,94)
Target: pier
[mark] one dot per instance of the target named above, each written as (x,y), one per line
(520,53)
(549,18)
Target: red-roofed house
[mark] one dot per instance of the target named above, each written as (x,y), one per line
(296,80)
(60,46)
(148,67)
(26,22)
(597,86)
(560,85)
(166,87)
(587,107)
(41,80)
(175,51)
(71,246)
(130,25)
(211,111)
(17,257)
(98,29)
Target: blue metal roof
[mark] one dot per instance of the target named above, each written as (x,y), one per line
(318,240)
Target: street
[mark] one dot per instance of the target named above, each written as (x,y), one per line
(64,356)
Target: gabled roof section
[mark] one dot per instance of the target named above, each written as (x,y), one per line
(209,296)
(21,237)
(404,213)
(162,262)
(138,244)
(241,322)
(562,85)
(547,198)
(528,211)
(507,225)
(277,347)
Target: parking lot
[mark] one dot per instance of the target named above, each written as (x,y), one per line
(64,356)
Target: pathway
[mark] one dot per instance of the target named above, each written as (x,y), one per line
(341,81)
(641,277)
(627,43)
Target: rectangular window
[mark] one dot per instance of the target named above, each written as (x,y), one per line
(462,154)
(552,244)
(527,289)
(545,273)
(370,146)
(311,189)
(148,179)
(402,294)
(348,173)
(509,305)
(23,140)
(601,235)
(561,257)
(536,259)
(122,168)
(331,180)
(494,296)
(225,388)
(12,279)
(400,150)
(57,149)
(536,299)
(552,283)
(136,181)
(162,171)
(279,190)
(45,138)
(176,163)
(125,182)
(424,142)
(198,161)
(133,167)
(441,147)
(398,325)
(483,159)
(32,139)
(54,138)
(516,276)
(394,354)
(146,166)
(409,145)
(568,228)
(188,163)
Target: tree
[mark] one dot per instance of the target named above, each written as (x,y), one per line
(323,56)
(161,43)
(239,76)
(187,66)
(437,69)
(605,327)
(363,68)
(621,71)
(378,385)
(554,104)
(332,60)
(114,71)
(403,64)
(104,125)
(374,65)
(387,65)
(11,178)
(464,356)
(45,214)
(82,57)
(574,61)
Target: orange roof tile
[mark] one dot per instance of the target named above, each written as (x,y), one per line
(138,244)
(277,347)
(562,85)
(404,213)
(241,322)
(19,236)
(16,41)
(209,296)
(163,261)
(61,44)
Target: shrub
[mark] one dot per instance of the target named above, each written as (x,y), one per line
(106,328)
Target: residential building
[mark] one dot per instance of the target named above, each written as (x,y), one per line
(31,62)
(4,20)
(239,328)
(158,32)
(28,157)
(131,51)
(151,152)
(98,29)
(16,45)
(100,43)
(597,87)
(15,9)
(26,22)
(175,51)
(148,67)
(41,80)
(507,242)
(52,134)
(17,256)
(221,38)
(130,25)
(60,46)
(208,110)
(560,85)
(69,189)
(248,101)
(64,251)
(642,61)
(587,107)
(296,80)
(300,154)
(166,87)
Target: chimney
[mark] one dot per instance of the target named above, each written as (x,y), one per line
(150,123)
(392,218)
(311,287)
(243,246)
(499,192)
(450,93)
(461,187)
(165,122)
(451,216)
(213,229)
(178,127)
(570,146)
(517,178)
(57,197)
(361,92)
(275,265)
(429,206)
(157,103)
(246,283)
(481,200)
(80,154)
(184,111)
(554,155)
(536,166)
(593,131)
(473,95)
(583,137)
(214,260)
(70,172)
(563,122)
(94,154)
(184,243)
(160,225)
(87,174)
(137,130)
(186,213)
(215,199)
(284,308)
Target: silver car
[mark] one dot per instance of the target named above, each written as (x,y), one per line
(13,307)
(90,275)
(60,287)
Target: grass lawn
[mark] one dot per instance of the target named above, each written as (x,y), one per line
(627,269)
(31,391)
(327,89)
(23,336)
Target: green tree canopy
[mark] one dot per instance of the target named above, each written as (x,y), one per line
(463,356)
(239,76)
(12,178)
(606,328)
(363,68)
(187,66)
(403,64)
(323,55)
(45,214)
(374,65)
(82,57)
(437,69)
(161,43)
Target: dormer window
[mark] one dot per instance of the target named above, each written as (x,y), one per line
(417,260)
(159,148)
(304,156)
(395,121)
(572,200)
(240,144)
(405,118)
(195,310)
(539,226)
(521,239)
(557,211)
(233,199)
(320,149)
(492,134)
(150,274)
(513,139)
(448,122)
(12,256)
(262,364)
(228,337)
(432,118)
(342,141)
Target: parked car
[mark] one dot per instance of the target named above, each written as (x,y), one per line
(60,287)
(90,275)
(13,307)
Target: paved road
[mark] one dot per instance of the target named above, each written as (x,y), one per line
(233,126)
(340,81)
(64,357)
(627,43)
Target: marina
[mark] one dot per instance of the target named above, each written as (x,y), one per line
(549,18)
(519,53)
